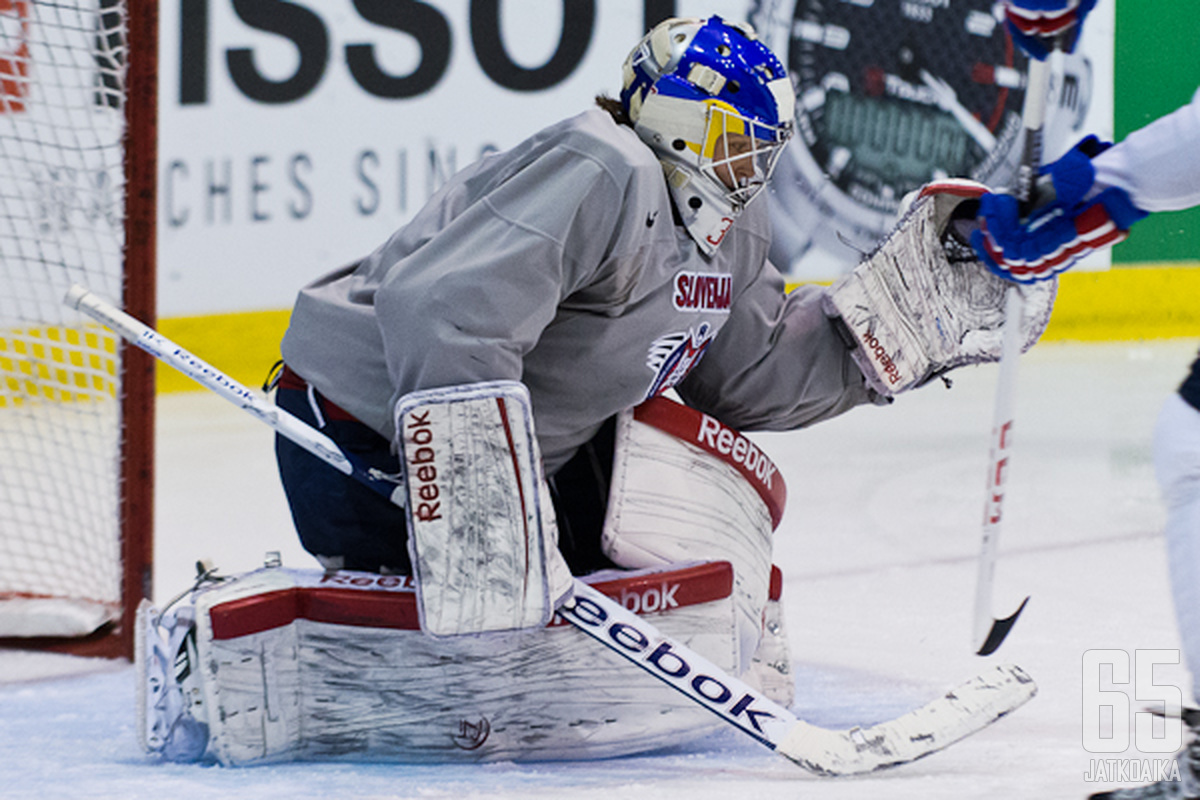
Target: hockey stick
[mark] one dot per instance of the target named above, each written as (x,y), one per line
(989,632)
(961,712)
(312,440)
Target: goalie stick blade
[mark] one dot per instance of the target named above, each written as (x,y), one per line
(962,711)
(999,630)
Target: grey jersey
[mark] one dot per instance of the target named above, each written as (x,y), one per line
(557,263)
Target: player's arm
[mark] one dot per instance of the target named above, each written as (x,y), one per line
(1158,164)
(920,305)
(1088,199)
(777,363)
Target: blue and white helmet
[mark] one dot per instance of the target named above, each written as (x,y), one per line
(717,106)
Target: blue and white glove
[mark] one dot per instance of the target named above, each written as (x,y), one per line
(1035,23)
(1069,220)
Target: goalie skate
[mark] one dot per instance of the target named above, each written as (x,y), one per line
(171,714)
(771,666)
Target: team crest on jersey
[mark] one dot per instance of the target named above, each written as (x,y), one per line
(672,357)
(697,291)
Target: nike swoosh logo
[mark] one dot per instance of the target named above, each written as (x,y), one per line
(653,215)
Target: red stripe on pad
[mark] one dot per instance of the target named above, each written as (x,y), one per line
(726,444)
(382,601)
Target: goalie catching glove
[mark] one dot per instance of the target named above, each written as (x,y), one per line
(482,531)
(922,303)
(1070,220)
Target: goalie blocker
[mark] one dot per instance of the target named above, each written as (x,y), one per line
(282,664)
(482,534)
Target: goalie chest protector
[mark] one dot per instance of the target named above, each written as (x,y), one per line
(311,665)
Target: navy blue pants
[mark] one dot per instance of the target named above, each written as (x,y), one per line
(334,514)
(337,516)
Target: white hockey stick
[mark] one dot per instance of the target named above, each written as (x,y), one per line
(312,440)
(988,632)
(961,712)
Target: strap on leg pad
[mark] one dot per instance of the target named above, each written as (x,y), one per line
(482,532)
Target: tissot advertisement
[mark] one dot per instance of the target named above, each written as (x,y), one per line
(296,136)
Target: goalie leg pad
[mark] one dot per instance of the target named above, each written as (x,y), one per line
(482,531)
(686,487)
(332,666)
(923,304)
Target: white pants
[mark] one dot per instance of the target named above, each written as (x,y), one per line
(1177,466)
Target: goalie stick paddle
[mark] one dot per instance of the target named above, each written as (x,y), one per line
(962,711)
(989,632)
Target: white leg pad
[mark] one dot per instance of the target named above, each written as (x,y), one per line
(686,487)
(482,531)
(771,667)
(171,716)
(311,665)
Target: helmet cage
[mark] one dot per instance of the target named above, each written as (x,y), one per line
(739,153)
(716,106)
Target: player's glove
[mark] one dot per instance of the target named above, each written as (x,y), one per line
(1067,223)
(1035,23)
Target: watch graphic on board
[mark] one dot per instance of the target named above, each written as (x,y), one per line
(890,94)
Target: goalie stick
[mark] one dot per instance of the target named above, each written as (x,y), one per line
(962,711)
(989,632)
(312,440)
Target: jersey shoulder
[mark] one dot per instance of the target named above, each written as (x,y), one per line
(594,134)
(582,155)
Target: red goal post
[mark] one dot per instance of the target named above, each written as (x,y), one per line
(78,111)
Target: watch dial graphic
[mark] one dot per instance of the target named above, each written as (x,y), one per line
(890,94)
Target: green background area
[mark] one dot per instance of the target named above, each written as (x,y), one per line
(1157,70)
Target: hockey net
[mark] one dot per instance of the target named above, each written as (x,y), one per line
(76,409)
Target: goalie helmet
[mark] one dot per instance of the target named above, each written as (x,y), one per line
(716,106)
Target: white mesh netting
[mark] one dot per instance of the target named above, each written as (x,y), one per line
(61,211)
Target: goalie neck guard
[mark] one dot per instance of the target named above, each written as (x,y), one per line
(716,106)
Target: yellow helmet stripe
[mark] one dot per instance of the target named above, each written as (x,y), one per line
(722,118)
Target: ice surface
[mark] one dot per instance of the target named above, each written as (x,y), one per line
(878,549)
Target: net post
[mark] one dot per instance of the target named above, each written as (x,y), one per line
(140,299)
